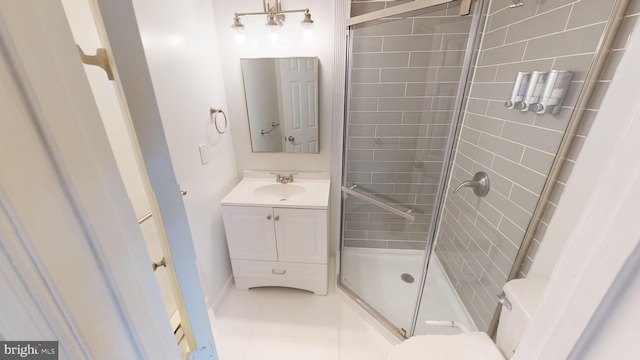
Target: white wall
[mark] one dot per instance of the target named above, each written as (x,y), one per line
(609,334)
(182,51)
(323,14)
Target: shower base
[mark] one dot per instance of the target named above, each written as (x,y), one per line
(375,275)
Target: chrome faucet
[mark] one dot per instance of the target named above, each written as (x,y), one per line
(284,179)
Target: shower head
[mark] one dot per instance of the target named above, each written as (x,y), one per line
(517,3)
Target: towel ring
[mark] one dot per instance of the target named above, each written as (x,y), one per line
(214,115)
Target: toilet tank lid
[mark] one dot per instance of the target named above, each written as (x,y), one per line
(526,293)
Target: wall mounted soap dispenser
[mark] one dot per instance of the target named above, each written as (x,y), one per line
(555,91)
(535,90)
(519,90)
(543,92)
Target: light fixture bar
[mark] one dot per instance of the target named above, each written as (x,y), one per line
(251,13)
(290,11)
(272,12)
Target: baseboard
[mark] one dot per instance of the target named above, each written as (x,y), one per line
(215,304)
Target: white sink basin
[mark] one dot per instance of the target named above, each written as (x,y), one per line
(259,188)
(280,192)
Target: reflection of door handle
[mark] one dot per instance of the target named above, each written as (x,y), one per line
(479,184)
(290,138)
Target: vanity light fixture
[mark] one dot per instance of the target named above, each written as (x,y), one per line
(307,27)
(238,29)
(275,20)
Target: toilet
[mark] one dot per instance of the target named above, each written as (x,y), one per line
(522,297)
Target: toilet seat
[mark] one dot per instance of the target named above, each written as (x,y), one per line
(473,345)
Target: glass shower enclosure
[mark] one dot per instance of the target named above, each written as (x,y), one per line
(406,83)
(426,93)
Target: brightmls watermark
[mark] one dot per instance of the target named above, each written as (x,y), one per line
(30,350)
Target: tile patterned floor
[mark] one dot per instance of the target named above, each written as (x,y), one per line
(289,324)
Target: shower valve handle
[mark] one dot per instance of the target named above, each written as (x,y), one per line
(479,184)
(467,183)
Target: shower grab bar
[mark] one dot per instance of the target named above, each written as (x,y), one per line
(405,214)
(145,218)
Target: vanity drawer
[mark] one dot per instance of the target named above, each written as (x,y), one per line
(249,273)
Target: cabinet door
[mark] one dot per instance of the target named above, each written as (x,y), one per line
(250,233)
(301,235)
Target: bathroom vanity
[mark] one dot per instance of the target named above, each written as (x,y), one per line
(277,232)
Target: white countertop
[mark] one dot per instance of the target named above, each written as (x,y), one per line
(259,188)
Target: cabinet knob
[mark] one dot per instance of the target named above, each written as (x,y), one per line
(276,218)
(268,217)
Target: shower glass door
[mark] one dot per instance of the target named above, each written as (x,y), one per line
(406,79)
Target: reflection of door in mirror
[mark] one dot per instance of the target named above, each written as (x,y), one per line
(299,83)
(282,104)
(260,88)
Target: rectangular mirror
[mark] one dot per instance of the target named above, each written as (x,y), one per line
(282,103)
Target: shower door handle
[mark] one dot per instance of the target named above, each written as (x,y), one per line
(479,184)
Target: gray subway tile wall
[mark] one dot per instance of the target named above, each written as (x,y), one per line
(478,239)
(516,149)
(627,27)
(405,75)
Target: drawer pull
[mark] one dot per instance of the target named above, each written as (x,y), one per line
(278,272)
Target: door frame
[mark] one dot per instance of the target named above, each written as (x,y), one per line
(71,234)
(37,33)
(118,29)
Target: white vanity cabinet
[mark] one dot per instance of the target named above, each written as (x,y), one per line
(250,234)
(277,246)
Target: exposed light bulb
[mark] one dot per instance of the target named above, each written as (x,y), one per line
(307,27)
(238,29)
(273,29)
(307,33)
(241,38)
(273,37)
